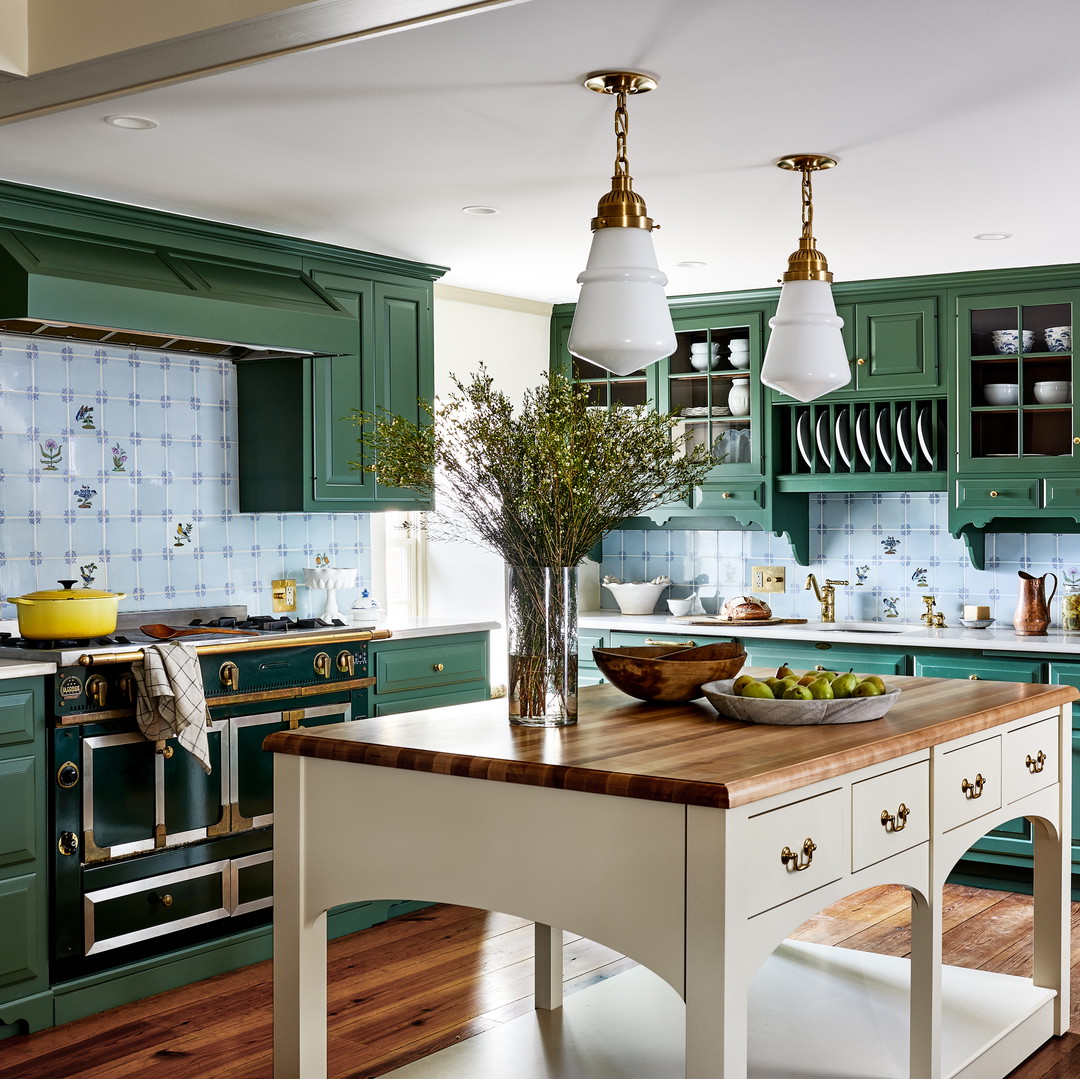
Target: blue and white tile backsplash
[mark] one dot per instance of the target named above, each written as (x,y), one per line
(892,548)
(118,469)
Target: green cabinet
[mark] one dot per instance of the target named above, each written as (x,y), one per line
(428,672)
(297,444)
(892,344)
(719,346)
(806,655)
(25,1000)
(1018,439)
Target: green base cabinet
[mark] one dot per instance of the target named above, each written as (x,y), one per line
(24,887)
(428,672)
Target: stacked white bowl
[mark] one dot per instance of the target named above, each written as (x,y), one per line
(739,353)
(704,354)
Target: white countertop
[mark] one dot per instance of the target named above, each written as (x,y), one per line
(999,638)
(405,628)
(24,668)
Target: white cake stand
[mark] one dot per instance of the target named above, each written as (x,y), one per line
(329,579)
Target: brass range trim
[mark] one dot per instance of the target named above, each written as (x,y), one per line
(286,640)
(289,692)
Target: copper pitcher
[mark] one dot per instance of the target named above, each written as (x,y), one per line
(1033,605)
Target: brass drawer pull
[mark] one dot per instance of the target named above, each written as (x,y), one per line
(727,494)
(788,855)
(436,666)
(163,749)
(974,790)
(889,822)
(993,494)
(973,677)
(679,644)
(861,362)
(165,900)
(1037,763)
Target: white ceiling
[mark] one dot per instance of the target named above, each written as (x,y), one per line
(949,118)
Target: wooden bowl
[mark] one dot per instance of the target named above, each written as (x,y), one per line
(669,672)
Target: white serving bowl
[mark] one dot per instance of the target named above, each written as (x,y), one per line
(1058,338)
(636,598)
(739,359)
(1008,341)
(1001,393)
(1053,393)
(739,344)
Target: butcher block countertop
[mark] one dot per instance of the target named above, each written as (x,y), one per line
(682,753)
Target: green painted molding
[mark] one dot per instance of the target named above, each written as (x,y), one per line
(20,203)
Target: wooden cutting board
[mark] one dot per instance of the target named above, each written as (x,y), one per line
(716,620)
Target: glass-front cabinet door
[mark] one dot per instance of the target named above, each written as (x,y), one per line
(1014,380)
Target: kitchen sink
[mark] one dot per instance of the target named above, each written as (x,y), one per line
(860,627)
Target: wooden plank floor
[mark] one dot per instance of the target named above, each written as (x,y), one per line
(423,981)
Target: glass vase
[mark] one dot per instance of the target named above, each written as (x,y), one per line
(1070,606)
(541,628)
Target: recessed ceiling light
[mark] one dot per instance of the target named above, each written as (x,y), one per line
(993,236)
(131,123)
(691,265)
(480,211)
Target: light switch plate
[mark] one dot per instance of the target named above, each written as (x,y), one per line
(767,579)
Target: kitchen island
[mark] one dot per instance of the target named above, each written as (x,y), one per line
(693,844)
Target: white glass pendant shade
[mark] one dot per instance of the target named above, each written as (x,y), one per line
(806,356)
(622,321)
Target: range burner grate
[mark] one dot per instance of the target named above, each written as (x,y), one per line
(8,640)
(268,623)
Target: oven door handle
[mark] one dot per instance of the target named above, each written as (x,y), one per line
(289,692)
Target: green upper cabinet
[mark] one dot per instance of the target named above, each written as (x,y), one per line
(1018,439)
(892,345)
(712,380)
(297,443)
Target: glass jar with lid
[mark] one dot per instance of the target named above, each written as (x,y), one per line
(1070,600)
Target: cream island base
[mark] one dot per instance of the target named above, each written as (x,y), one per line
(694,845)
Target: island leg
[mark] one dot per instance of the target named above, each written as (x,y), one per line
(548,974)
(925,986)
(299,940)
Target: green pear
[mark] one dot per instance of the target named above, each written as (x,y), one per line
(866,689)
(742,681)
(808,678)
(785,671)
(827,675)
(821,690)
(797,693)
(877,682)
(758,689)
(843,684)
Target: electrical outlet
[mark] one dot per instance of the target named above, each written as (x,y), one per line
(283,595)
(767,579)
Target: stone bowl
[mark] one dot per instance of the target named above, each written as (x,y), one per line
(669,672)
(796,713)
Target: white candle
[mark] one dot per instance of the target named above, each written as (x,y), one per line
(975,614)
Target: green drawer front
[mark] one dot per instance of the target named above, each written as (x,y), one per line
(22,943)
(721,498)
(996,669)
(1008,495)
(18,808)
(1063,495)
(621,639)
(833,657)
(430,665)
(128,913)
(588,673)
(16,717)
(437,700)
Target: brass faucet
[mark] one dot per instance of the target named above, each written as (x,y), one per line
(826,596)
(930,617)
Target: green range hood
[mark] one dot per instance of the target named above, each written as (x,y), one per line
(59,286)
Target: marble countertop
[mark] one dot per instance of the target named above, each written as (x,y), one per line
(405,628)
(24,668)
(998,638)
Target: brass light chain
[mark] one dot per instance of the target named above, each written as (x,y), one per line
(622,125)
(807,202)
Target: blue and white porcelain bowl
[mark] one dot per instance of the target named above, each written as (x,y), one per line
(1058,338)
(1007,342)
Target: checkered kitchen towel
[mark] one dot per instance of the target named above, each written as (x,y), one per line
(171,702)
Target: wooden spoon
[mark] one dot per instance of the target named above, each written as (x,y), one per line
(167,633)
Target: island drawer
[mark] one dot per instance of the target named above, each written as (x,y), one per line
(890,813)
(796,848)
(967,783)
(1029,758)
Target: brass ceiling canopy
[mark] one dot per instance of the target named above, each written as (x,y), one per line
(808,263)
(622,206)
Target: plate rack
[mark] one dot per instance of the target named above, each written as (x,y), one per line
(906,440)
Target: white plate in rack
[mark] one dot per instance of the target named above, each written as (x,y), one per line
(802,439)
(884,436)
(842,429)
(863,439)
(824,441)
(902,427)
(924,428)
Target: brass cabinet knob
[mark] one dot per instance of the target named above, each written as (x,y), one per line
(163,749)
(861,362)
(973,677)
(166,900)
(1076,441)
(727,494)
(993,494)
(436,666)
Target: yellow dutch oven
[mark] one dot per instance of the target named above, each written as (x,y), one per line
(67,613)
